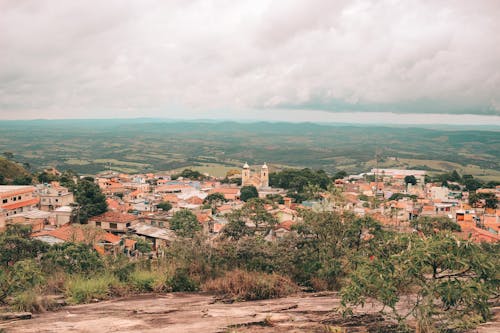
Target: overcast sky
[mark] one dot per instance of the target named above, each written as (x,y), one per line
(249,59)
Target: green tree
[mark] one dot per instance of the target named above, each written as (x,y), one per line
(254,210)
(214,200)
(410,180)
(143,246)
(448,281)
(236,227)
(22,180)
(165,206)
(2,180)
(72,258)
(429,225)
(248,192)
(90,199)
(185,223)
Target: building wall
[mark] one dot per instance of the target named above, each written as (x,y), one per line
(50,202)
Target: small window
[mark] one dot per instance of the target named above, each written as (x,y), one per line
(4,200)
(19,198)
(113,226)
(128,225)
(14,199)
(98,224)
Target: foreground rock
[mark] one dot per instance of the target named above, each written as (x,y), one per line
(193,312)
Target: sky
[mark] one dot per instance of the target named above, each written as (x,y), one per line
(318,60)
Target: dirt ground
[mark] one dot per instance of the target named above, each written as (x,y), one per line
(197,312)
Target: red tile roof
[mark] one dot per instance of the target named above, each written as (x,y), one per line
(20,204)
(114,217)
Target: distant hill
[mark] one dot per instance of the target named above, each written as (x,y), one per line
(11,170)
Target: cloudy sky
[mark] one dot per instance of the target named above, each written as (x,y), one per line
(284,59)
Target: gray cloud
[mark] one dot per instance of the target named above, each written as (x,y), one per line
(165,58)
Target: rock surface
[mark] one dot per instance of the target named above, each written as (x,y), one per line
(196,312)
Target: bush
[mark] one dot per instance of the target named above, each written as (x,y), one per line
(148,281)
(182,281)
(243,285)
(79,289)
(31,301)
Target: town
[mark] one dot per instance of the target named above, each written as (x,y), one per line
(141,207)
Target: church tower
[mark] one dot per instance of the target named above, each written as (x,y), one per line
(245,175)
(264,176)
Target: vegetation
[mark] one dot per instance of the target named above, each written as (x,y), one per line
(185,223)
(189,174)
(446,283)
(248,286)
(165,206)
(91,146)
(90,199)
(248,192)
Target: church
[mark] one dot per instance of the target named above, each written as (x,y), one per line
(260,181)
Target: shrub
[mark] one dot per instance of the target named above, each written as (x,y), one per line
(79,289)
(148,281)
(243,285)
(31,301)
(182,281)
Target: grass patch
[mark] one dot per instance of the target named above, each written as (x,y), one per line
(243,285)
(148,281)
(31,301)
(79,289)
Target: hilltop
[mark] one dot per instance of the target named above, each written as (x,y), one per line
(11,170)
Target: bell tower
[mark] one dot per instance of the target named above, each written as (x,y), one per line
(245,175)
(264,176)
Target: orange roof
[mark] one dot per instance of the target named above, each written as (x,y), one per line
(194,200)
(130,243)
(287,225)
(17,191)
(171,198)
(20,204)
(114,217)
(202,218)
(71,233)
(217,227)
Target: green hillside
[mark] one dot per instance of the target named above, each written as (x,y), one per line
(11,170)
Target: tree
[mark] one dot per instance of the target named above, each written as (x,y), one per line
(143,246)
(164,205)
(255,211)
(430,225)
(448,281)
(22,180)
(214,200)
(90,199)
(248,192)
(236,227)
(2,180)
(185,223)
(490,200)
(410,180)
(455,177)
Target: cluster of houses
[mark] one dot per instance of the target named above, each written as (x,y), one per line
(135,206)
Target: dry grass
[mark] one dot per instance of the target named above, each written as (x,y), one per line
(243,285)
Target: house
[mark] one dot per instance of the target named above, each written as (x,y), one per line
(35,218)
(160,237)
(17,199)
(103,242)
(113,221)
(53,196)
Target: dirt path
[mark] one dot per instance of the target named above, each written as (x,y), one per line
(193,312)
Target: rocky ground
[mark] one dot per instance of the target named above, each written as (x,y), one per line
(196,312)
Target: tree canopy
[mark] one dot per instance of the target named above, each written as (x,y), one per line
(185,223)
(248,192)
(91,200)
